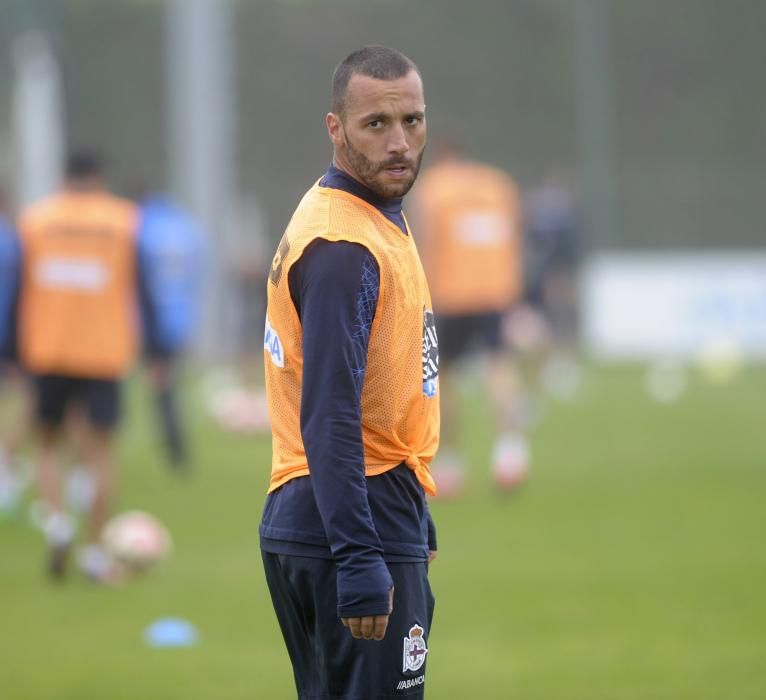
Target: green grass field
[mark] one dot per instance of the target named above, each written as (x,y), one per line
(631,566)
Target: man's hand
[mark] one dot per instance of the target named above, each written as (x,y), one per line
(431,555)
(370,626)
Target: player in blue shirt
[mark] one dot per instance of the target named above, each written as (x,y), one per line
(171,248)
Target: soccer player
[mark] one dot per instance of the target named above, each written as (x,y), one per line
(170,250)
(554,251)
(351,359)
(469,232)
(9,261)
(77,339)
(11,481)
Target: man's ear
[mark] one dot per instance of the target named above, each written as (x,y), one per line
(334,128)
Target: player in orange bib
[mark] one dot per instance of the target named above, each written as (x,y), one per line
(469,232)
(352,377)
(77,338)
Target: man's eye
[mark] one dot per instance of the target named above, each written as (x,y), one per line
(374,123)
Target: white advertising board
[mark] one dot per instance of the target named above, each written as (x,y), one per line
(641,306)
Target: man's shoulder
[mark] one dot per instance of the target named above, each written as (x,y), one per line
(118,206)
(63,202)
(316,194)
(40,206)
(340,206)
(445,179)
(37,212)
(332,228)
(326,213)
(311,210)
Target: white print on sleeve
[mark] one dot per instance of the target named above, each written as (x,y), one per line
(273,345)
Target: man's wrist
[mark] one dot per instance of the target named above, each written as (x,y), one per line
(364,591)
(367,606)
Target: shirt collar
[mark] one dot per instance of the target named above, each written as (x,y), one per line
(338,179)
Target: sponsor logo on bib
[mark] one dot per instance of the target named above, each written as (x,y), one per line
(273,345)
(430,355)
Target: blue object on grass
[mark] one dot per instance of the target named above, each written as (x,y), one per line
(171,632)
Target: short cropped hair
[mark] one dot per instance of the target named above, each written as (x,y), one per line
(84,163)
(379,62)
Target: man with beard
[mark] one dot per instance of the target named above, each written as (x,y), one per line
(351,360)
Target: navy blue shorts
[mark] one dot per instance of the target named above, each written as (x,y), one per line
(469,333)
(54,393)
(327,661)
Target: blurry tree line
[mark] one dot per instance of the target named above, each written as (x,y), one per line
(687,98)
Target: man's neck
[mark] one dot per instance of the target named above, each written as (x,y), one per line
(391,207)
(83,186)
(363,190)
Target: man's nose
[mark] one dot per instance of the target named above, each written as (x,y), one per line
(397,142)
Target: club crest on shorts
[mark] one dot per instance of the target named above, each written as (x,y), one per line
(415,650)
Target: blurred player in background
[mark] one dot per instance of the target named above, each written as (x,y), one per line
(544,331)
(9,273)
(171,248)
(11,478)
(351,361)
(553,253)
(469,234)
(77,339)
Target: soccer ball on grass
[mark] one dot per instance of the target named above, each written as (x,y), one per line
(137,540)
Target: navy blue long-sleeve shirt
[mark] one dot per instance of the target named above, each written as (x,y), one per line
(338,512)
